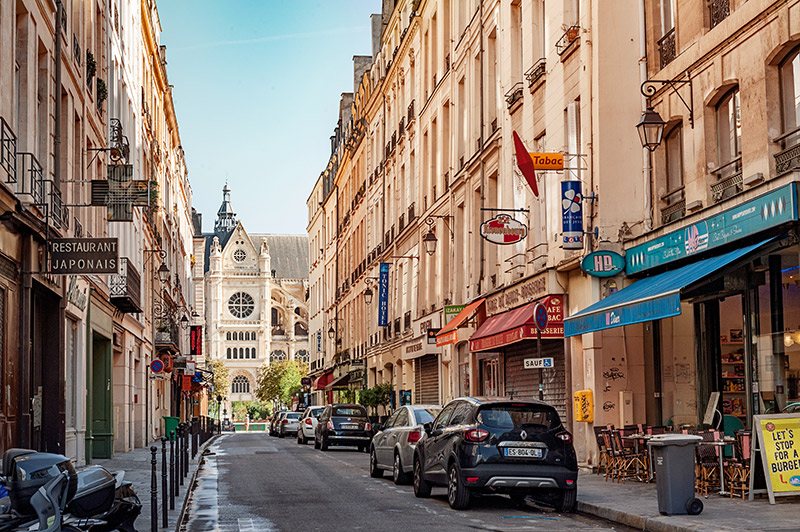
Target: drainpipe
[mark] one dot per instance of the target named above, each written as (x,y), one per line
(646,169)
(57,133)
(89,351)
(480,152)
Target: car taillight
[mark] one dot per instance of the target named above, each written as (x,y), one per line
(566,437)
(308,421)
(285,421)
(330,425)
(367,427)
(414,436)
(475,435)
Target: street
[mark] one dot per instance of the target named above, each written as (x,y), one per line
(254,482)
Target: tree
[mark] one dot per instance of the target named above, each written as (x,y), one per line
(378,395)
(220,379)
(280,381)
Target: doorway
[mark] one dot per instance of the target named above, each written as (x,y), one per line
(47,388)
(101,401)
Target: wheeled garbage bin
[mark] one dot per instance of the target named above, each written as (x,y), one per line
(171,424)
(674,468)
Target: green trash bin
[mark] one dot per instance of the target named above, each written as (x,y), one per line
(170,424)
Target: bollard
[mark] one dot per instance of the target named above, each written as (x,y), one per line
(153,491)
(180,453)
(172,470)
(186,450)
(164,492)
(195,435)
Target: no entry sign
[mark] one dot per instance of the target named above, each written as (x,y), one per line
(156,366)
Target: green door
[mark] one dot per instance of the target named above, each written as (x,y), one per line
(100,386)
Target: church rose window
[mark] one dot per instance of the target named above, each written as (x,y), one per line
(240,305)
(239,255)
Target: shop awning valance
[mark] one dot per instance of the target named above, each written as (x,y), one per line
(449,333)
(652,298)
(323,380)
(515,325)
(339,383)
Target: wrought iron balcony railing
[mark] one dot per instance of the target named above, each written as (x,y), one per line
(166,334)
(31,183)
(126,288)
(8,151)
(568,41)
(787,160)
(720,9)
(666,48)
(536,72)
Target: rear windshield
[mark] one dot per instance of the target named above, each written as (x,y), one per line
(522,416)
(293,415)
(426,415)
(349,411)
(316,412)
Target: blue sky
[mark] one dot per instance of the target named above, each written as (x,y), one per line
(257,88)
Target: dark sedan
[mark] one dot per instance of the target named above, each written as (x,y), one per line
(506,446)
(343,424)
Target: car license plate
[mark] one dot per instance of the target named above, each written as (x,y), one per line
(349,426)
(523,452)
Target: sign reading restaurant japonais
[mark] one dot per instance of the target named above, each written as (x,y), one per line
(83,256)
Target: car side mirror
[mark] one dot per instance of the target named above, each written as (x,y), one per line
(377,427)
(427,426)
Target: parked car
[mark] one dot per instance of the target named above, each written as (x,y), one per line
(393,447)
(343,424)
(288,424)
(308,423)
(276,419)
(497,445)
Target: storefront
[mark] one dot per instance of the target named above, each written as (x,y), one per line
(430,383)
(452,339)
(718,315)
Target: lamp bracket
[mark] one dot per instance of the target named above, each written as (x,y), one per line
(431,219)
(651,86)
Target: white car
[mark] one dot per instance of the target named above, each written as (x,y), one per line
(308,422)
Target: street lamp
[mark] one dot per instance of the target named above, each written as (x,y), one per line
(184,322)
(368,294)
(163,273)
(429,240)
(651,129)
(219,411)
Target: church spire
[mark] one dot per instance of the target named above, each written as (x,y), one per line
(226,218)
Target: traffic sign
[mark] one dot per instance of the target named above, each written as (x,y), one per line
(156,366)
(538,363)
(540,316)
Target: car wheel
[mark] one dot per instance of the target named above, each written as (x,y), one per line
(374,470)
(565,500)
(399,476)
(422,488)
(316,443)
(458,494)
(323,444)
(300,440)
(281,434)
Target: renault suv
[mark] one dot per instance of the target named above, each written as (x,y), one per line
(496,445)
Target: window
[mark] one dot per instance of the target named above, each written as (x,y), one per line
(241,305)
(228,354)
(790,99)
(228,336)
(461,415)
(729,134)
(444,416)
(402,418)
(239,255)
(667,19)
(674,150)
(240,384)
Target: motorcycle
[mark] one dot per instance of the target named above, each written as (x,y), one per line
(47,494)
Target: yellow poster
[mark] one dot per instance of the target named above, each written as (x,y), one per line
(782,450)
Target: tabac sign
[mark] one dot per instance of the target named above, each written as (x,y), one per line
(83,256)
(503,229)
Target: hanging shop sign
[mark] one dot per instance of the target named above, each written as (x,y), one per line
(547,161)
(186,383)
(83,256)
(196,340)
(571,215)
(191,367)
(519,294)
(451,311)
(77,295)
(383,295)
(167,361)
(503,230)
(603,264)
(778,439)
(764,212)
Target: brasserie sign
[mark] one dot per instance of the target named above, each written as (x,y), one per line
(83,256)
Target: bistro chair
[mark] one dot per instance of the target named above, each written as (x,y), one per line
(707,465)
(605,452)
(737,469)
(629,463)
(611,454)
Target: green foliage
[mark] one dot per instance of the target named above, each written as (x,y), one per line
(280,381)
(221,378)
(102,92)
(378,395)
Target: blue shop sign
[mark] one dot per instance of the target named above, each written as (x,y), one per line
(764,212)
(603,264)
(383,294)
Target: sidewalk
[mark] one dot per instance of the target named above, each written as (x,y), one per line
(137,467)
(634,504)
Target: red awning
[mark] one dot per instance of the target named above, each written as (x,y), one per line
(518,324)
(323,380)
(449,333)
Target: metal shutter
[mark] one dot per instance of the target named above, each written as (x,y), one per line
(426,380)
(524,383)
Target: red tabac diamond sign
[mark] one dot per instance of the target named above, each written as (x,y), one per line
(503,229)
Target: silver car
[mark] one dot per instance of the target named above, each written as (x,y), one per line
(393,447)
(288,424)
(308,422)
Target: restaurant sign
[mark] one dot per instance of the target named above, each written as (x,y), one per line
(503,230)
(521,293)
(764,212)
(528,331)
(83,256)
(196,340)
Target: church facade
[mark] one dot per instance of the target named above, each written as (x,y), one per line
(253,298)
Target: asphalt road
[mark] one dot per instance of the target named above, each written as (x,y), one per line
(257,483)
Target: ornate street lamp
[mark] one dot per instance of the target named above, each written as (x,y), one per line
(429,240)
(163,273)
(368,295)
(651,129)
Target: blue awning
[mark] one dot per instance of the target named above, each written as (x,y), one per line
(652,298)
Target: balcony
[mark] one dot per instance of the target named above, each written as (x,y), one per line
(8,151)
(666,48)
(166,335)
(411,214)
(126,288)
(729,180)
(407,321)
(410,112)
(568,42)
(536,72)
(787,160)
(676,206)
(719,11)
(32,178)
(514,95)
(401,224)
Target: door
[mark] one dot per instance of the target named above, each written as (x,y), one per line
(47,390)
(102,436)
(434,446)
(490,377)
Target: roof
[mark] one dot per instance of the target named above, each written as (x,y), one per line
(288,253)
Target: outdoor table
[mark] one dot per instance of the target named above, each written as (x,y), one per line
(727,440)
(636,438)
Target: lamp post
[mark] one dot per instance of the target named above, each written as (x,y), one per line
(219,412)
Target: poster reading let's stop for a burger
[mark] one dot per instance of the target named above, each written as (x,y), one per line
(779,441)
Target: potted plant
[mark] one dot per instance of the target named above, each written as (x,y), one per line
(102,93)
(91,68)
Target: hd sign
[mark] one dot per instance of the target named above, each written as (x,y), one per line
(83,256)
(603,264)
(503,230)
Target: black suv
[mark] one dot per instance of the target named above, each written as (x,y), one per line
(497,445)
(343,424)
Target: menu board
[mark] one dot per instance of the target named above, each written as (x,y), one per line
(778,439)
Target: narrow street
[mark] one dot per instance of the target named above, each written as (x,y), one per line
(254,482)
